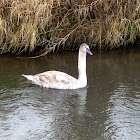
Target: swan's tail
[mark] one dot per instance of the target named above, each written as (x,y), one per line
(29,77)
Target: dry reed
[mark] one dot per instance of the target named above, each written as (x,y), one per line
(48,24)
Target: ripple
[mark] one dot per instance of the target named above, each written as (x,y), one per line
(123,114)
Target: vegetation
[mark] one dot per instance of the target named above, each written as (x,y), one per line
(49,24)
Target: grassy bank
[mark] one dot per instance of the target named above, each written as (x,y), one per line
(49,24)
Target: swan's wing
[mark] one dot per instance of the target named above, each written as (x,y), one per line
(54,79)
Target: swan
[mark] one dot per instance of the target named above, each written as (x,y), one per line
(61,80)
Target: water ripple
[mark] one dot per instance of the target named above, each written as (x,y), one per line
(124,114)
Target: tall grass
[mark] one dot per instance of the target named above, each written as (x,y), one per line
(49,24)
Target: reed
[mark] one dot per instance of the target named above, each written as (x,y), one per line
(49,24)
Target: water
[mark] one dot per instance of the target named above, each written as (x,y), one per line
(108,109)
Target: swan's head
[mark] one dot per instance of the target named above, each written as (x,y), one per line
(85,48)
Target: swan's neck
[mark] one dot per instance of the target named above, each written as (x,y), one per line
(82,68)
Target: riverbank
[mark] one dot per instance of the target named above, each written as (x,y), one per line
(50,25)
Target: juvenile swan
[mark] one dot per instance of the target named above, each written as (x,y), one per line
(61,80)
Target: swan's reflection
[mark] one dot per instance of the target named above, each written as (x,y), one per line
(43,113)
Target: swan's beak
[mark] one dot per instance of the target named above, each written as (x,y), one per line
(89,52)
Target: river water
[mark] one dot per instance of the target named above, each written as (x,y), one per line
(107,109)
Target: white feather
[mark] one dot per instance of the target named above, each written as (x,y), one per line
(29,77)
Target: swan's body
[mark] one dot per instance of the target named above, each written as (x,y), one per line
(61,80)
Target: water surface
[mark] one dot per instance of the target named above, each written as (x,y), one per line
(107,109)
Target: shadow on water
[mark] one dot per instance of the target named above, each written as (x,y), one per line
(107,109)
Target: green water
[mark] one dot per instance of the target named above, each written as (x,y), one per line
(108,109)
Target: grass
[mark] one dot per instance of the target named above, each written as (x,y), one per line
(49,24)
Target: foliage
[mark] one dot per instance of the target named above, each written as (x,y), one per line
(28,24)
